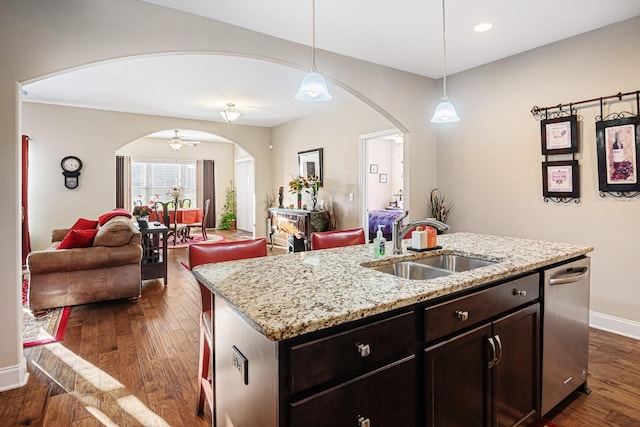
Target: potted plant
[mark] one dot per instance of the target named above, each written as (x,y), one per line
(228,218)
(439,206)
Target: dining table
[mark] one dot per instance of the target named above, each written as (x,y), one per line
(180,216)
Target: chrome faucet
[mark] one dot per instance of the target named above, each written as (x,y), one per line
(398,232)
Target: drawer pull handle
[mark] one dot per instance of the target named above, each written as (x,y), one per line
(462,315)
(519,292)
(363,422)
(364,351)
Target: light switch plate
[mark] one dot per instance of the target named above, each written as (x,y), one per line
(241,364)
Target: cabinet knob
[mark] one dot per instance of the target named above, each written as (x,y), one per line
(364,350)
(462,315)
(520,292)
(363,422)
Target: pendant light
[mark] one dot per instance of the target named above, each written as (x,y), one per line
(230,113)
(313,87)
(445,111)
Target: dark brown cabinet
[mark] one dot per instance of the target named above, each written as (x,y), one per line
(384,397)
(487,376)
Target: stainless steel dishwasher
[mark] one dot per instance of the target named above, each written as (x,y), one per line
(565,345)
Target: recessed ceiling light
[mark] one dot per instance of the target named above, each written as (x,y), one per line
(481,28)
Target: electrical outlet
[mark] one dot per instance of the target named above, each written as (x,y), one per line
(240,364)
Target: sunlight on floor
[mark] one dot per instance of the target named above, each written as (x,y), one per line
(104,383)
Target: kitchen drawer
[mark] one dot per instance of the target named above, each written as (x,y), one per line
(385,397)
(451,316)
(350,352)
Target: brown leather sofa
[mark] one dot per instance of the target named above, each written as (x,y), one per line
(110,269)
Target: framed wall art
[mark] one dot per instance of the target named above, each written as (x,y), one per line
(618,154)
(373,168)
(383,178)
(561,179)
(559,135)
(310,163)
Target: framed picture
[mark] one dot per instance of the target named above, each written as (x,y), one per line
(383,178)
(559,135)
(310,163)
(561,179)
(617,144)
(373,168)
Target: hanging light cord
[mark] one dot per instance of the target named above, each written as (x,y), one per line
(444,52)
(313,35)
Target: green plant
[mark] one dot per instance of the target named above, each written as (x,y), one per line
(228,216)
(439,207)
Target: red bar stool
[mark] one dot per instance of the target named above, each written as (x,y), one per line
(205,253)
(335,239)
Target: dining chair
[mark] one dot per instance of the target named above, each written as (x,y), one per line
(201,224)
(335,239)
(186,203)
(175,229)
(137,202)
(205,253)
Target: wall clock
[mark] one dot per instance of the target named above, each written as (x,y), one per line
(71,166)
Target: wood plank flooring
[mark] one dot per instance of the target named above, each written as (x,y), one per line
(134,364)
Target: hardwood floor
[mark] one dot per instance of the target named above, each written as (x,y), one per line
(131,364)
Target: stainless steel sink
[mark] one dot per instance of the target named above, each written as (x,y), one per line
(454,262)
(412,270)
(432,267)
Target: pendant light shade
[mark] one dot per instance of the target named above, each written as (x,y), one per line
(445,111)
(230,113)
(313,87)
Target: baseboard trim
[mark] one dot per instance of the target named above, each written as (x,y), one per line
(616,325)
(14,376)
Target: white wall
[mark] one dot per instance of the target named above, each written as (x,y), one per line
(380,153)
(41,38)
(489,163)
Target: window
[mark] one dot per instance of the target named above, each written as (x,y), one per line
(151,179)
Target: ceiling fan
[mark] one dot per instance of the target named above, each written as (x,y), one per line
(177,143)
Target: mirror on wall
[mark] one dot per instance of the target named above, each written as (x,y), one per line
(310,163)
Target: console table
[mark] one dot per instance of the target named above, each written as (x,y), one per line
(292,221)
(154,252)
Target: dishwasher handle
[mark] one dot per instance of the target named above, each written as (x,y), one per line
(572,276)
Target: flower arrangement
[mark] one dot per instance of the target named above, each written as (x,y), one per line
(309,184)
(175,192)
(142,211)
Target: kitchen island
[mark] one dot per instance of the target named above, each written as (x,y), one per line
(281,323)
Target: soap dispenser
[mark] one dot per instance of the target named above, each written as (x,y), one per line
(379,243)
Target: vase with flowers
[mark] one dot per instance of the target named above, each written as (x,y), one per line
(141,213)
(175,192)
(312,188)
(296,185)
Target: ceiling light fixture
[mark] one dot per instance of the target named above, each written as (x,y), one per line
(445,111)
(230,113)
(313,87)
(176,143)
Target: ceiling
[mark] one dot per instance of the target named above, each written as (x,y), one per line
(403,34)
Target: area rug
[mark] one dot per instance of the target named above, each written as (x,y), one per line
(45,329)
(211,238)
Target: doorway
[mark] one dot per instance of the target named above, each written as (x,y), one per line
(245,193)
(382,180)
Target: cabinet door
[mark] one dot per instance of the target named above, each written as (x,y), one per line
(383,398)
(457,381)
(516,372)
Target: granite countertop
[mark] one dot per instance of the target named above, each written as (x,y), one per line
(284,296)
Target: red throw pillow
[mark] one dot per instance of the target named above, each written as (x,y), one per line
(84,224)
(115,212)
(78,239)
